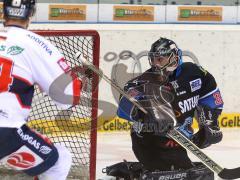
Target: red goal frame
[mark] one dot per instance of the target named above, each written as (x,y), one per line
(96,54)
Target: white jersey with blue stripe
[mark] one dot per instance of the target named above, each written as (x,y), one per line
(26,59)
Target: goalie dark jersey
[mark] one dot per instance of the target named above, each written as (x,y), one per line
(191,85)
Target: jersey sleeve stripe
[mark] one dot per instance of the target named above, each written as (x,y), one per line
(208,94)
(22,79)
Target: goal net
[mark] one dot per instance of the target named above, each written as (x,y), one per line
(74,128)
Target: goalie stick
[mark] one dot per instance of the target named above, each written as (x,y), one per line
(174,134)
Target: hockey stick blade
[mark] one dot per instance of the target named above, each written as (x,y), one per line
(174,134)
(230,173)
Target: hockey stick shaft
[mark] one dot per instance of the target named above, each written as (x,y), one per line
(100,73)
(174,134)
(183,141)
(212,165)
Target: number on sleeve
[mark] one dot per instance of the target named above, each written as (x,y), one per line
(218,98)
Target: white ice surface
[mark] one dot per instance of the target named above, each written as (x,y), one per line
(114,147)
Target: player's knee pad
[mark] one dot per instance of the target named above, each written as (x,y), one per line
(32,154)
(65,159)
(64,154)
(198,172)
(61,168)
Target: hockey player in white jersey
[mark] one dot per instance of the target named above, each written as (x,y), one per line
(27,59)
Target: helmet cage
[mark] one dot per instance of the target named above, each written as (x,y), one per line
(173,60)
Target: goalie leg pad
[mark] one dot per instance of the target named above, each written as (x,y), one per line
(198,172)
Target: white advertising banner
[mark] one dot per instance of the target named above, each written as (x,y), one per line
(131,13)
(201,14)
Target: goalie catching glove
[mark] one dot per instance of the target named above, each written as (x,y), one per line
(209,131)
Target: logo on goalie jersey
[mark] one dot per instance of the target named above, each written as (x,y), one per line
(174,84)
(195,84)
(188,104)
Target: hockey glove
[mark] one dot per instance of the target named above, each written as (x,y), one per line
(206,136)
(209,131)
